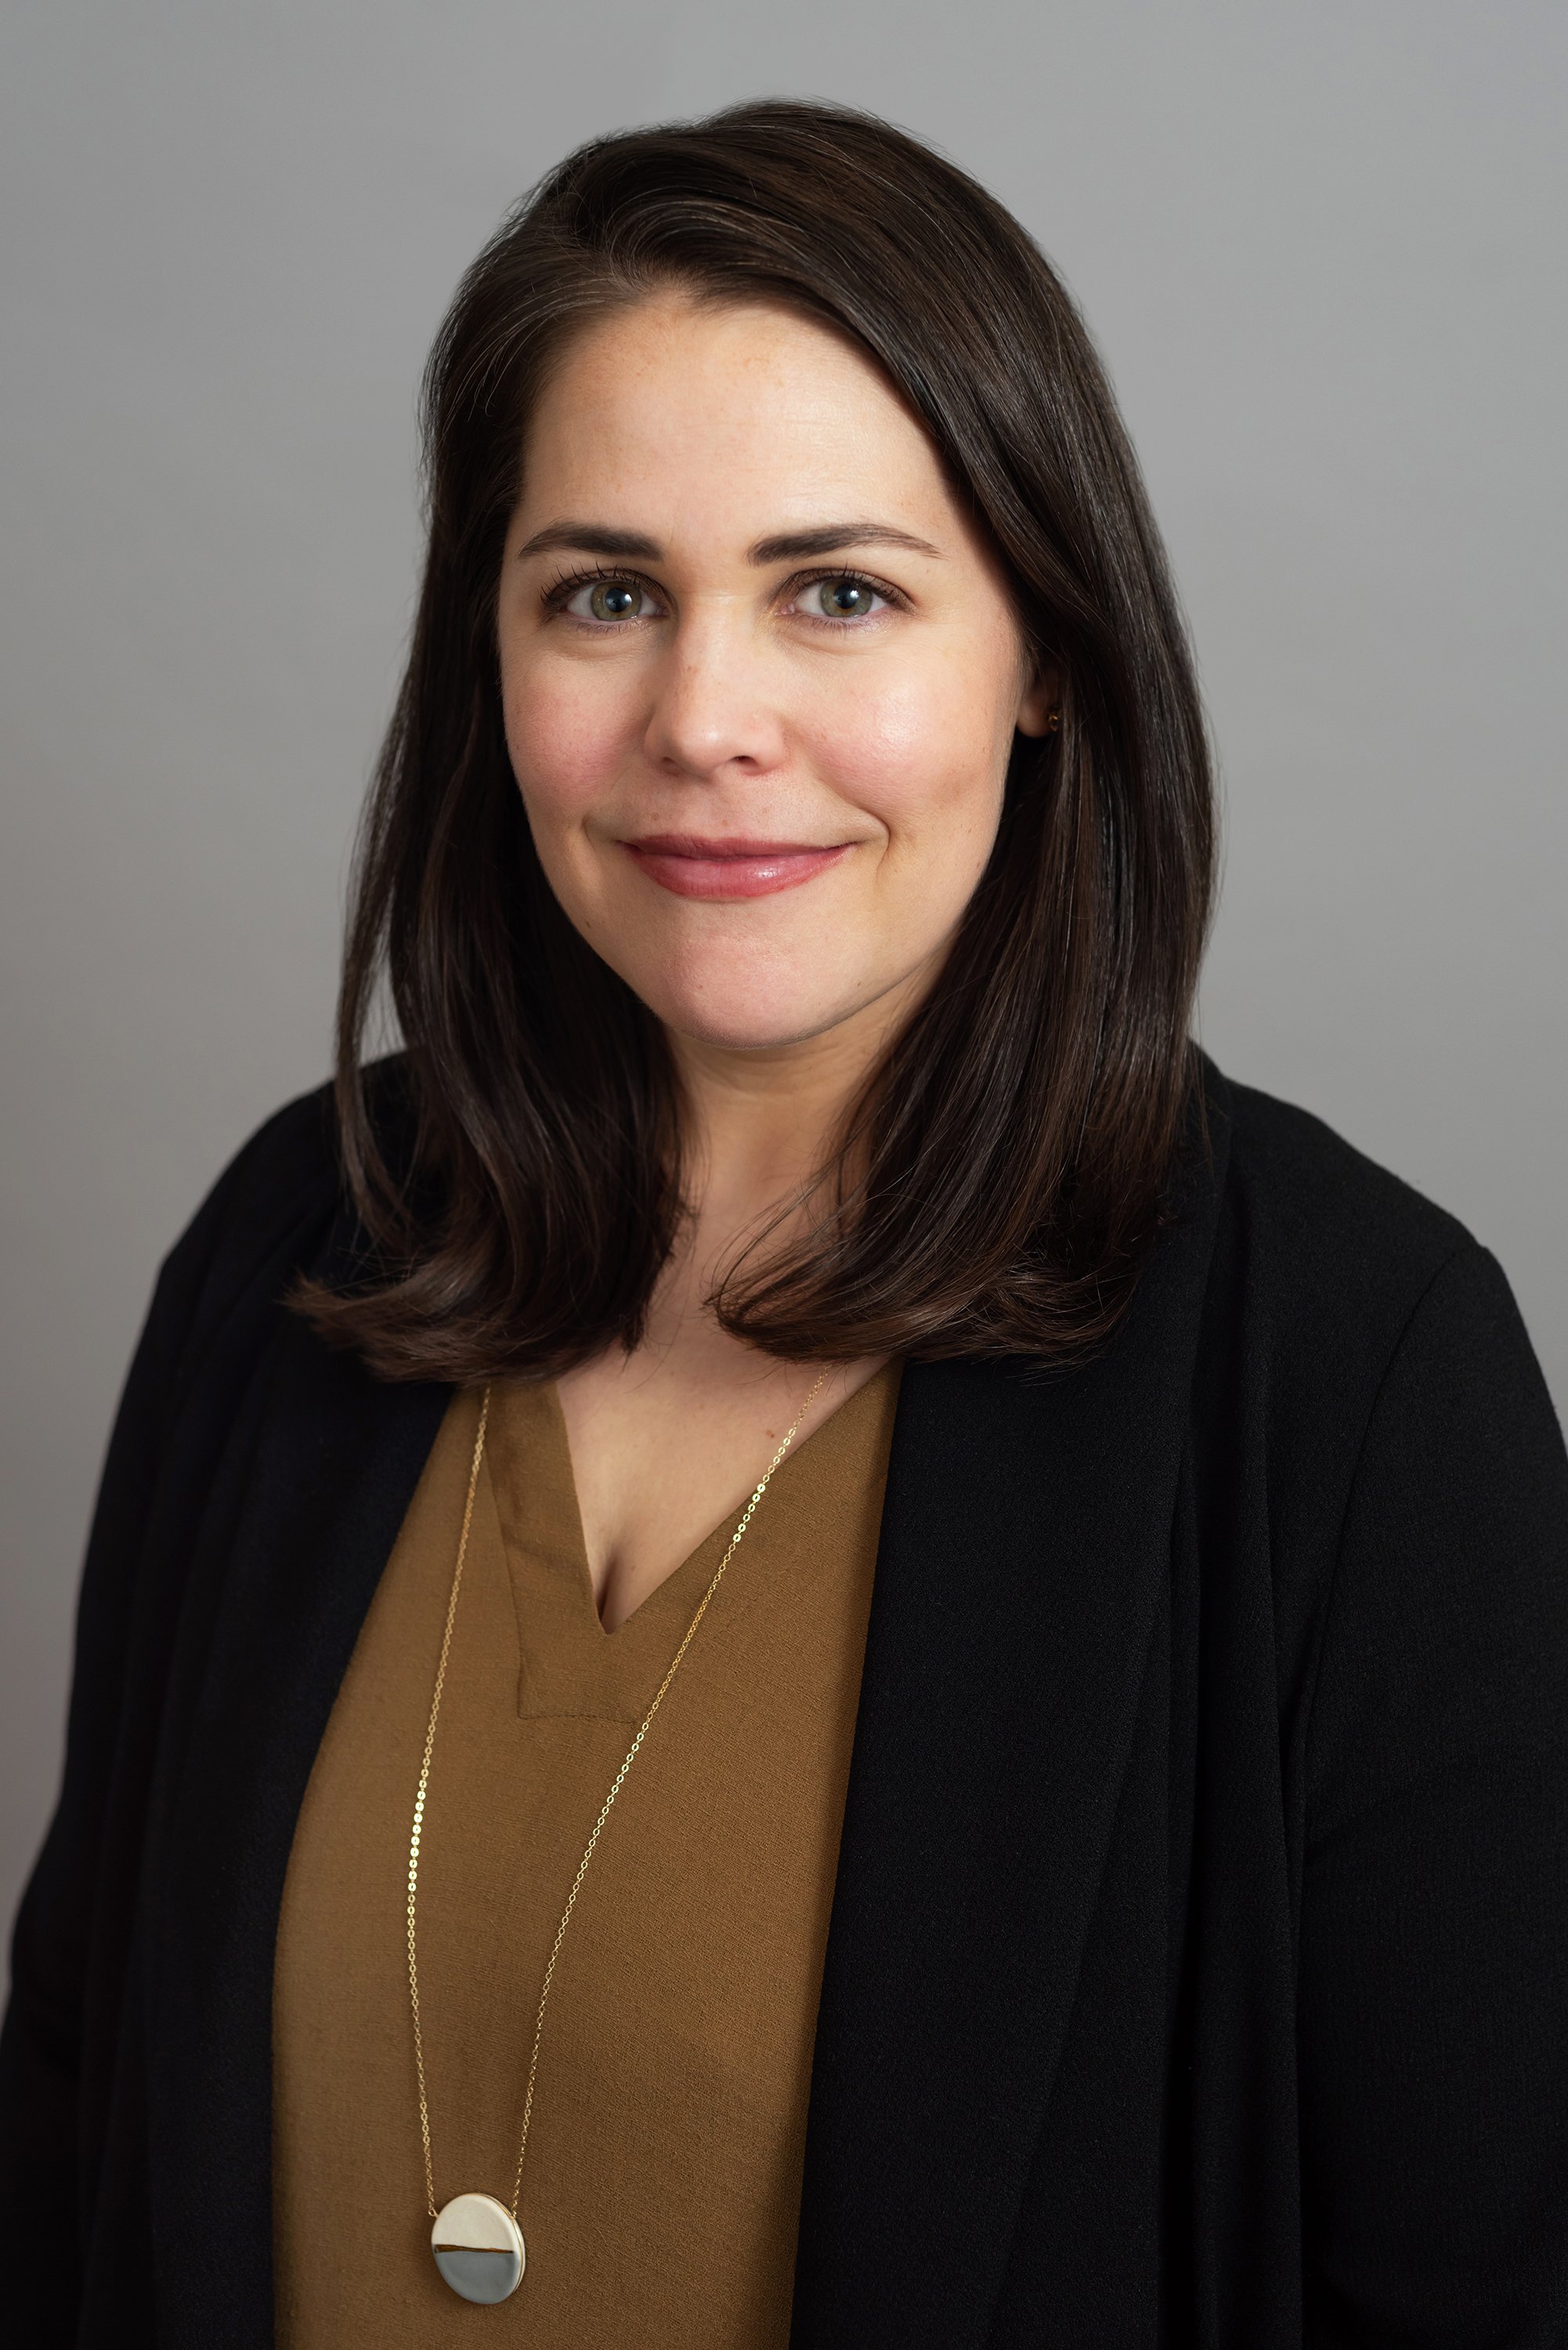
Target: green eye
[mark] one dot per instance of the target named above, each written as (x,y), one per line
(845,599)
(616,599)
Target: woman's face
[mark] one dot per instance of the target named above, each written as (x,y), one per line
(760,677)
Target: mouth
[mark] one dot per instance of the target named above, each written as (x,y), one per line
(693,867)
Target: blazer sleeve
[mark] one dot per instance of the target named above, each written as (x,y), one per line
(45,2152)
(1434,1925)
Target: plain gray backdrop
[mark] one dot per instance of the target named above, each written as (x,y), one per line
(1323,249)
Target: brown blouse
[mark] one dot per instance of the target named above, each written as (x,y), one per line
(660,2198)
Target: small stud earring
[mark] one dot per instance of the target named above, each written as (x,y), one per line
(1053,722)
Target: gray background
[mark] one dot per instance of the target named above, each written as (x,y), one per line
(1323,248)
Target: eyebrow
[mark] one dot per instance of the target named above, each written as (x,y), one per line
(828,538)
(782,546)
(592,538)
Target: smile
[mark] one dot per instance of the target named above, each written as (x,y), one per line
(693,867)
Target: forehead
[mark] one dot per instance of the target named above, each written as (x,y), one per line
(747,413)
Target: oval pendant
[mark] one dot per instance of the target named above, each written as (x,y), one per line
(478,2248)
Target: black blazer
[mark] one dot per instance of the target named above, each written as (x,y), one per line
(1198,1961)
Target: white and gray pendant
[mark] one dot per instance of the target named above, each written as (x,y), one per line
(478,2248)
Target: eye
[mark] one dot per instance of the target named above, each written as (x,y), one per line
(841,597)
(609,601)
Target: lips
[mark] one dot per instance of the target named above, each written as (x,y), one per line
(693,866)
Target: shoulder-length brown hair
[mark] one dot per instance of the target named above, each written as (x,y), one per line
(1000,1177)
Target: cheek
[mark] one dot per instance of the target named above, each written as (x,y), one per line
(923,747)
(567,740)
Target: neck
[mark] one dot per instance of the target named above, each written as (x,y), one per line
(761,1119)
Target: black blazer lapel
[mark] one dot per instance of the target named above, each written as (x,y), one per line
(1025,1543)
(292,1559)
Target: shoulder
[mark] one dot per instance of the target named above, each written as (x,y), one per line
(1374,1436)
(1353,1261)
(1320,1251)
(1356,1340)
(1335,1285)
(1345,1247)
(1321,1211)
(272,1209)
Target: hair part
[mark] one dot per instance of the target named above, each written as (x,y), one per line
(1001,1177)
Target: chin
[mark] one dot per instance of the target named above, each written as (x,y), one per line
(741,1027)
(750,1008)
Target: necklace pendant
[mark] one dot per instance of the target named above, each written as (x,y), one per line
(478,2248)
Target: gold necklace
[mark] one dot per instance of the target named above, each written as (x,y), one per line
(477,2242)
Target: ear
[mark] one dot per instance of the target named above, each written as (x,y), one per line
(1037,705)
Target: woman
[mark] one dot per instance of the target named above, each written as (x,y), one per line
(1076,1854)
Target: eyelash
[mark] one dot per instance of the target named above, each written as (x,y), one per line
(559,594)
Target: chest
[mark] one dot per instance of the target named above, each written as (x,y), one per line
(675,2053)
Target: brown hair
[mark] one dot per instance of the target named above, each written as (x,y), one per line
(1012,1149)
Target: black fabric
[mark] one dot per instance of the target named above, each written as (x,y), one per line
(1198,1961)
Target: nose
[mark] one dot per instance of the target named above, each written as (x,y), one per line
(712,712)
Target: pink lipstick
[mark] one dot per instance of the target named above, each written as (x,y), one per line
(694,866)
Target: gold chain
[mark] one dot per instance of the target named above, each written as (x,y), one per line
(631,1755)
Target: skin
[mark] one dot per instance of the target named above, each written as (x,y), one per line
(669,676)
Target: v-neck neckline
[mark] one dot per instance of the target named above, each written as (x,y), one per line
(551,1518)
(570,1663)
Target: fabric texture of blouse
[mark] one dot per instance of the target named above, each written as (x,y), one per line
(660,2198)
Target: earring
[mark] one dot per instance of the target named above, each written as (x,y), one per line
(1053,722)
